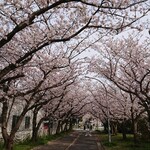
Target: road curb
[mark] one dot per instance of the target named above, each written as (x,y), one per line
(100,146)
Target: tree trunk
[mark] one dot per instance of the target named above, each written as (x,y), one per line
(34,134)
(49,130)
(34,129)
(35,125)
(135,131)
(70,125)
(148,118)
(8,140)
(62,127)
(50,127)
(66,126)
(114,128)
(9,144)
(148,126)
(124,130)
(134,124)
(58,128)
(4,123)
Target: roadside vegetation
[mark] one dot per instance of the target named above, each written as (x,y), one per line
(28,144)
(119,144)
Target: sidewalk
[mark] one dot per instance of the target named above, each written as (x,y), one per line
(75,141)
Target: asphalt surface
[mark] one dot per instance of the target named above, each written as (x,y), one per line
(75,141)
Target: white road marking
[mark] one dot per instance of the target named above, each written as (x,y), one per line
(73,142)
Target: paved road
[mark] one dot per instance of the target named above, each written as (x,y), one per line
(75,141)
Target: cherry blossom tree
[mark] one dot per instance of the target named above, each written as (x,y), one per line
(48,107)
(71,107)
(113,106)
(126,64)
(54,94)
(23,22)
(30,27)
(43,74)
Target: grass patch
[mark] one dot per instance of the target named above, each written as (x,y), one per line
(28,144)
(112,144)
(119,144)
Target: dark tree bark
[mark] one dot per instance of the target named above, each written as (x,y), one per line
(35,125)
(58,127)
(114,128)
(66,126)
(124,129)
(4,124)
